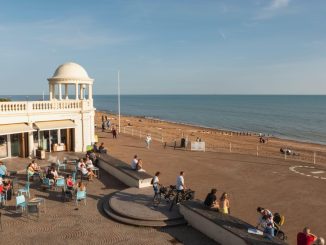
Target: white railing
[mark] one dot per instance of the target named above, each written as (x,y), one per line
(6,107)
(43,106)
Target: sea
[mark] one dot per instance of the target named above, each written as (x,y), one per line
(296,117)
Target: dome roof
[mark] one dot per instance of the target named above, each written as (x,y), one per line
(70,71)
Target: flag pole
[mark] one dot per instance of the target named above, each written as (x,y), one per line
(119,97)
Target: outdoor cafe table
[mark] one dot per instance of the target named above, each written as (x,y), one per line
(38,201)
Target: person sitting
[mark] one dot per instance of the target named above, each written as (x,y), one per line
(306,237)
(102,149)
(95,148)
(87,172)
(69,182)
(3,169)
(92,156)
(7,188)
(210,200)
(139,166)
(89,163)
(134,163)
(266,221)
(35,167)
(80,186)
(224,203)
(30,171)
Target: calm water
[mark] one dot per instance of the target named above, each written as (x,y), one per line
(295,117)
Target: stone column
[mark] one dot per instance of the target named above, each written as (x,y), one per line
(60,92)
(66,91)
(76,91)
(81,92)
(59,136)
(50,91)
(30,141)
(90,91)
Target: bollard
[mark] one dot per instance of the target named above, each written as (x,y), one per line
(257,150)
(314,157)
(230,147)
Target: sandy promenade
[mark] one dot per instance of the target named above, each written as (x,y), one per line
(278,184)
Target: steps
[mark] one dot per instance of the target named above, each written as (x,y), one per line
(148,217)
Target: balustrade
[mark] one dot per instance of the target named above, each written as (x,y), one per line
(43,106)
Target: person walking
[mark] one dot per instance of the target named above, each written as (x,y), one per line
(155,183)
(114,133)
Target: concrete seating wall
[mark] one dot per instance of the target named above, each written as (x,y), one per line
(224,229)
(123,172)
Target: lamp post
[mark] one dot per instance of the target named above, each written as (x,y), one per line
(119,98)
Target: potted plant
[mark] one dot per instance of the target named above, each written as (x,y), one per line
(40,153)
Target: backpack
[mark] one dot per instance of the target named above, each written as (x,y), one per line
(152,181)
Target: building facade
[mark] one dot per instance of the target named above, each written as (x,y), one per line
(65,122)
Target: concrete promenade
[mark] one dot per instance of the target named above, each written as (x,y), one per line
(63,223)
(250,181)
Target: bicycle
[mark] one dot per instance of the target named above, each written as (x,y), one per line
(167,192)
(181,196)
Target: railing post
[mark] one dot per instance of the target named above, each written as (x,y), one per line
(230,147)
(257,150)
(314,157)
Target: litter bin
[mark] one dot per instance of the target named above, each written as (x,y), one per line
(183,143)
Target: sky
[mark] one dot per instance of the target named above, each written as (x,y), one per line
(168,46)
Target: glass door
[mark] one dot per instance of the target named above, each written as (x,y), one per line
(15,145)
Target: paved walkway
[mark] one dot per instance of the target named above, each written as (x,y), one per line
(64,223)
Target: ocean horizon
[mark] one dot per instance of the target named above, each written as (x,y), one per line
(295,117)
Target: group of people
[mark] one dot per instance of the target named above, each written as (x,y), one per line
(85,166)
(222,205)
(99,149)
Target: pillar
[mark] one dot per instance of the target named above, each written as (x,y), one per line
(90,92)
(66,91)
(30,142)
(81,92)
(59,136)
(60,91)
(50,91)
(76,91)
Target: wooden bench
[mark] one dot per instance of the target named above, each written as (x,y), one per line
(123,172)
(224,229)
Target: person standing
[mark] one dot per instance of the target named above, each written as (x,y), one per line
(180,185)
(114,133)
(156,184)
(148,140)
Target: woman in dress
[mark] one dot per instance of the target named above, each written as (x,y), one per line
(224,204)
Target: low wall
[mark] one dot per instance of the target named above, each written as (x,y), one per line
(224,229)
(123,172)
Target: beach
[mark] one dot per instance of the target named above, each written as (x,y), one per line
(282,185)
(216,140)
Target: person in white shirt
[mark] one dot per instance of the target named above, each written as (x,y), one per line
(80,164)
(148,140)
(180,185)
(155,183)
(134,163)
(89,162)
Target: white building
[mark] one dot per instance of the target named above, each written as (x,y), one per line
(64,122)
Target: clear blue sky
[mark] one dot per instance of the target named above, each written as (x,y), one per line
(167,47)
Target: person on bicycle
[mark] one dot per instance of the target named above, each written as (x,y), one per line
(180,185)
